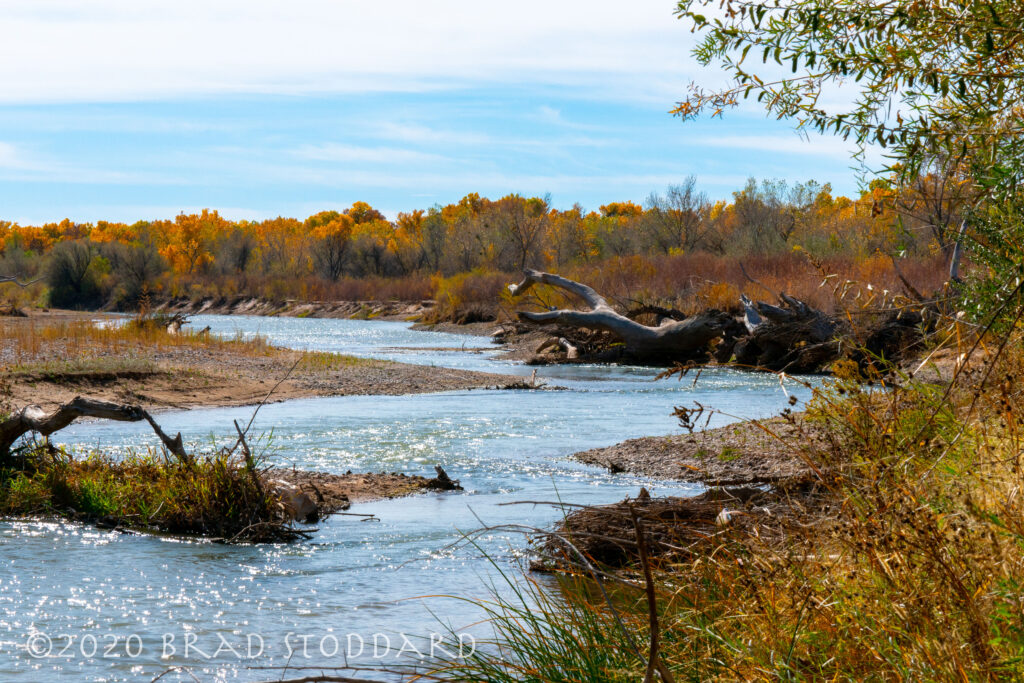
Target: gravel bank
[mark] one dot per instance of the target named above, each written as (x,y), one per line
(757,452)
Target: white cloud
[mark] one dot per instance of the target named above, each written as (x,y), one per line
(113,50)
(813,145)
(785,144)
(16,165)
(355,154)
(425,135)
(9,157)
(417,134)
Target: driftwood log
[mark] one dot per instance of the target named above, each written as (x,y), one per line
(34,418)
(671,340)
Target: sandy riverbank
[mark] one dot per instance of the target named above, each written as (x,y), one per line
(241,305)
(172,375)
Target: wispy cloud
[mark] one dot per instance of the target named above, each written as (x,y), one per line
(16,165)
(10,158)
(117,50)
(355,154)
(425,135)
(419,134)
(783,144)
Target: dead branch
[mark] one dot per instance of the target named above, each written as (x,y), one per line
(793,337)
(34,418)
(654,661)
(23,285)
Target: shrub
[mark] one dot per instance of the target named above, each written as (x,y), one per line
(469,297)
(73,273)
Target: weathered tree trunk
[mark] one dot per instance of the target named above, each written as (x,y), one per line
(33,418)
(671,340)
(793,337)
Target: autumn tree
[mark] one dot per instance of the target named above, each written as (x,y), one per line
(407,243)
(361,212)
(236,250)
(675,221)
(616,231)
(332,237)
(282,251)
(568,239)
(937,200)
(189,239)
(17,261)
(466,247)
(434,235)
(522,224)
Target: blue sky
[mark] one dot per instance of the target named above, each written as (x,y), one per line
(123,110)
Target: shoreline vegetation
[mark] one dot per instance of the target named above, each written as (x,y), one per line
(53,358)
(218,497)
(876,534)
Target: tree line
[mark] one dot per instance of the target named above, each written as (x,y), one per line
(87,265)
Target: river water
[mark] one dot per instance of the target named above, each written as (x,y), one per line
(81,604)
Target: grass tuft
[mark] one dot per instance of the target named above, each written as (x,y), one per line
(218,496)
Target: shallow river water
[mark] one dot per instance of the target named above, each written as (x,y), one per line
(80,604)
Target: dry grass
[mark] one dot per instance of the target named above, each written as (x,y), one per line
(907,563)
(323,361)
(693,282)
(31,341)
(217,496)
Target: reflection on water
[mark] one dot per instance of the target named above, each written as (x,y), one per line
(355,577)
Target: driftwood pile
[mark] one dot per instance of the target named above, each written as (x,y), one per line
(671,528)
(789,337)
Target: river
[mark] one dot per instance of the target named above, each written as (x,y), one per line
(103,606)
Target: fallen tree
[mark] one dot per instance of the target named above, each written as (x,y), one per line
(34,418)
(791,337)
(671,340)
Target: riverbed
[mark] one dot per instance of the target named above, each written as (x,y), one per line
(105,606)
